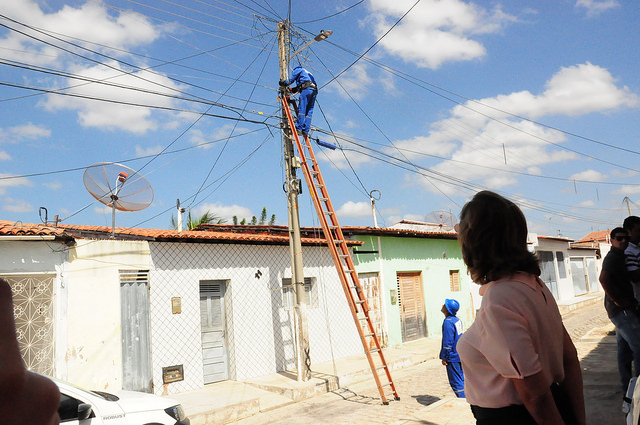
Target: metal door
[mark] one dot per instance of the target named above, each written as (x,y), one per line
(411,303)
(136,340)
(370,283)
(579,275)
(548,269)
(214,347)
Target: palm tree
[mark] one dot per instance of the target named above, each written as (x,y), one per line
(206,218)
(254,220)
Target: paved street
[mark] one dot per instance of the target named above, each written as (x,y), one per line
(427,399)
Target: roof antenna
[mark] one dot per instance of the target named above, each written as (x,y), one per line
(46,215)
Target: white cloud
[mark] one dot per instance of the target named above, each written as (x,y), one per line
(435,31)
(628,190)
(589,175)
(470,137)
(27,131)
(198,137)
(354,83)
(596,7)
(150,150)
(354,209)
(53,185)
(4,156)
(7,182)
(121,30)
(224,211)
(586,204)
(112,116)
(16,205)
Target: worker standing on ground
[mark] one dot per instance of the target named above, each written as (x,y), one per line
(306,85)
(451,331)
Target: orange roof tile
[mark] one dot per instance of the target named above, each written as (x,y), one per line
(9,228)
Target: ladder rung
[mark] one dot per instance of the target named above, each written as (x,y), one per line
(385,384)
(348,271)
(328,212)
(360,301)
(315,173)
(375,350)
(384,366)
(323,199)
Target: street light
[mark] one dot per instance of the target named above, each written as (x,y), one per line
(322,36)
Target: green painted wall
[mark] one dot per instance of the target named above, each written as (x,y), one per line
(433,258)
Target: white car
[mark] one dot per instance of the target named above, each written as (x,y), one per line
(82,407)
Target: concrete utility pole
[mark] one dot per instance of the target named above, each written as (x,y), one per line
(294,186)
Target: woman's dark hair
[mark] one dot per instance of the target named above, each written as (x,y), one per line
(493,238)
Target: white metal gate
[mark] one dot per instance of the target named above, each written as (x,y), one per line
(136,340)
(214,347)
(33,313)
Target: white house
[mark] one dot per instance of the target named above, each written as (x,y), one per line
(163,311)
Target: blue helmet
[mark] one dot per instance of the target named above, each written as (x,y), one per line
(452,305)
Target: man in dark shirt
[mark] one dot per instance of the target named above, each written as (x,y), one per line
(621,306)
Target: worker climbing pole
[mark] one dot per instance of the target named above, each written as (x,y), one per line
(335,239)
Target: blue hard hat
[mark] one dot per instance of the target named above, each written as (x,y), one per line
(452,305)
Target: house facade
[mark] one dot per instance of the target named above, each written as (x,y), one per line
(416,271)
(568,270)
(167,312)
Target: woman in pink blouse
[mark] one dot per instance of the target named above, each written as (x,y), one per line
(520,365)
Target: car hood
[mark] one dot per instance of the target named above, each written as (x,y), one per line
(132,401)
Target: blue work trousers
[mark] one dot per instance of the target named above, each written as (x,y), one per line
(456,378)
(305,109)
(628,336)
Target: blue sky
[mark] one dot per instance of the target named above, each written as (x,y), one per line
(538,101)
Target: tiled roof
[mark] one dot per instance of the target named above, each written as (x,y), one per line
(8,228)
(16,228)
(317,232)
(387,231)
(599,236)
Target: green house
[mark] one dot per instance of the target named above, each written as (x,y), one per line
(407,274)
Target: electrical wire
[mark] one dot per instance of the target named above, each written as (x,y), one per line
(330,16)
(373,45)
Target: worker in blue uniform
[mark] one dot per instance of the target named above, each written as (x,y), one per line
(451,332)
(306,85)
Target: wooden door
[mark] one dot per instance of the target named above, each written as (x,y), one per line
(411,303)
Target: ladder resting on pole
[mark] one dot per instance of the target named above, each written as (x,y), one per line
(344,263)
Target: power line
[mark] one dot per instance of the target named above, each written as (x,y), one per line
(330,16)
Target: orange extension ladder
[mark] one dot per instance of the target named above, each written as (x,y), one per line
(343,261)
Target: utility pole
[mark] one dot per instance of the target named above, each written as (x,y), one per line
(294,186)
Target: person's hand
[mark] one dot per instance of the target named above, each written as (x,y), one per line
(27,398)
(444,363)
(282,83)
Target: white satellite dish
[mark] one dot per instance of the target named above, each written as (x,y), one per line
(119,187)
(445,219)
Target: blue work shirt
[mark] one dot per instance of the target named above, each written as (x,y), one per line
(451,331)
(300,76)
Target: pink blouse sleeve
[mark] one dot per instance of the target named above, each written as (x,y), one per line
(507,342)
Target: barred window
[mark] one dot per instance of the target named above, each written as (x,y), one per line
(310,292)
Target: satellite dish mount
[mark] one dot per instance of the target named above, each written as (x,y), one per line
(119,187)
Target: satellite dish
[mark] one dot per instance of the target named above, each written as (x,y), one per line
(444,219)
(119,187)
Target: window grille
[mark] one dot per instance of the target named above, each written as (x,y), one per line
(310,292)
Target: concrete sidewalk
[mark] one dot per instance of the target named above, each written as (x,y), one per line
(229,401)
